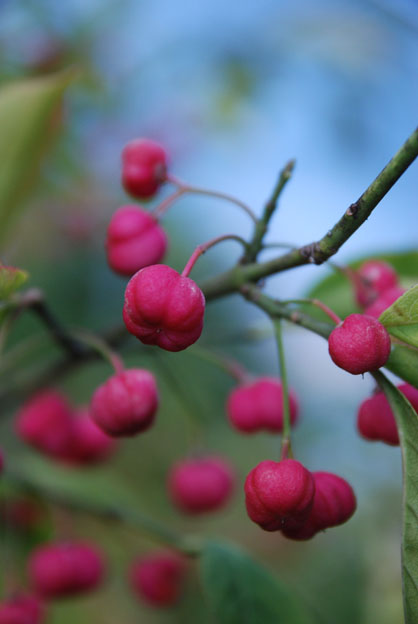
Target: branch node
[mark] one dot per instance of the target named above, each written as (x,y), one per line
(313,253)
(353,209)
(296,317)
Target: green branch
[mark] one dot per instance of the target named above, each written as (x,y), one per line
(276,309)
(261,225)
(319,251)
(106,512)
(40,377)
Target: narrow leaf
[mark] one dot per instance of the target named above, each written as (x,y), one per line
(240,591)
(403,362)
(401,318)
(407,422)
(27,114)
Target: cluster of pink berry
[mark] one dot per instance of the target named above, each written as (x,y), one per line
(59,570)
(165,308)
(361,343)
(48,423)
(284,496)
(55,570)
(161,307)
(134,237)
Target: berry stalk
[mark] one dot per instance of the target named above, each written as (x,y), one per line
(201,249)
(184,188)
(190,411)
(102,348)
(319,304)
(231,367)
(159,210)
(286,450)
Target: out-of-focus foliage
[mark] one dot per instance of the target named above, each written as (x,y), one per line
(29,114)
(239,591)
(11,279)
(233,95)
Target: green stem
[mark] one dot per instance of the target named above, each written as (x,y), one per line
(319,304)
(231,367)
(261,225)
(34,301)
(277,309)
(286,437)
(102,348)
(319,251)
(183,397)
(49,374)
(109,512)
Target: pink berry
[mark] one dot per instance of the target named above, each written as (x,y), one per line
(90,444)
(134,240)
(144,167)
(61,569)
(375,277)
(45,422)
(22,609)
(411,394)
(359,344)
(126,403)
(375,420)
(200,485)
(276,492)
(164,308)
(157,578)
(334,503)
(384,301)
(258,405)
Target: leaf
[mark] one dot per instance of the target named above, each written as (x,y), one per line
(336,291)
(407,422)
(401,318)
(403,362)
(240,591)
(27,113)
(101,487)
(11,279)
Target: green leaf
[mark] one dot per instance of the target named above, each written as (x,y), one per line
(99,487)
(27,114)
(407,422)
(241,591)
(336,291)
(11,279)
(403,362)
(401,318)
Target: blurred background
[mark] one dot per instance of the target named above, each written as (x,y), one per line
(233,91)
